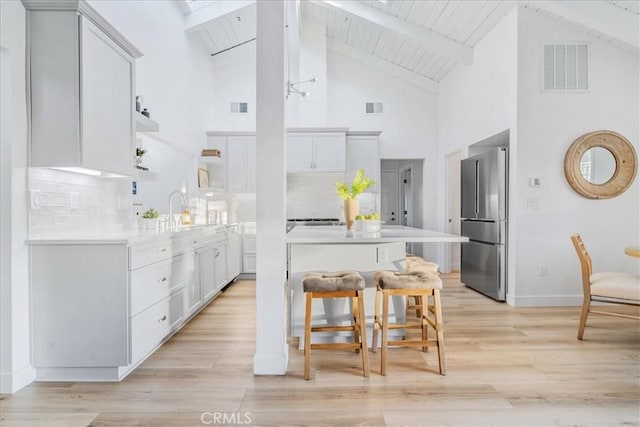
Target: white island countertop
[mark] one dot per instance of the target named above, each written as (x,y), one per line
(320,234)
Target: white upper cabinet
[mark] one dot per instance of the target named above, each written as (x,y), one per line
(362,153)
(235,171)
(81,91)
(241,163)
(315,152)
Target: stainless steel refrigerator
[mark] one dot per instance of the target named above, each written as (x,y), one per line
(484,202)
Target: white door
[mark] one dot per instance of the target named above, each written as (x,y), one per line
(453,197)
(389,197)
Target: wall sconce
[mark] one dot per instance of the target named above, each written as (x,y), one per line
(291,87)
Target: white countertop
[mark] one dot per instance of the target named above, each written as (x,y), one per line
(130,237)
(389,234)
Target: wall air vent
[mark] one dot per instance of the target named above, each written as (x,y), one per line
(373,107)
(239,107)
(566,67)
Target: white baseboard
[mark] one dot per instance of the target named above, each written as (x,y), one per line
(270,365)
(11,382)
(545,301)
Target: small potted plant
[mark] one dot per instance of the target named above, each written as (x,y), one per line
(350,195)
(149,220)
(139,153)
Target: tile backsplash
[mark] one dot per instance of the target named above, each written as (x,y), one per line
(314,196)
(66,204)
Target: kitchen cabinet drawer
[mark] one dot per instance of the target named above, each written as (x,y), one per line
(149,328)
(197,240)
(152,283)
(141,255)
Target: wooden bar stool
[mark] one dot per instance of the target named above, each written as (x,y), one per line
(419,283)
(416,263)
(343,284)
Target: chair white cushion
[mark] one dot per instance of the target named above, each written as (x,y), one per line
(616,285)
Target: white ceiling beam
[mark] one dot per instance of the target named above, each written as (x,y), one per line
(200,18)
(597,15)
(382,65)
(432,41)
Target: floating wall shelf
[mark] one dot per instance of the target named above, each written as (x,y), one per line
(145,124)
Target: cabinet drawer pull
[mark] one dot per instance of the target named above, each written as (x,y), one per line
(163,318)
(195,241)
(163,250)
(164,279)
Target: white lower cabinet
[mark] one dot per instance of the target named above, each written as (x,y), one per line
(154,324)
(249,253)
(185,270)
(99,309)
(234,253)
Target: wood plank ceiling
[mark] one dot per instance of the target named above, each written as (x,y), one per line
(394,31)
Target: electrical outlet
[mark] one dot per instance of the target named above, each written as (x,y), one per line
(382,255)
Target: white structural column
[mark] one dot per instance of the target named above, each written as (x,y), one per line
(271,336)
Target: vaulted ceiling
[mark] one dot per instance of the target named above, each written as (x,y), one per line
(421,40)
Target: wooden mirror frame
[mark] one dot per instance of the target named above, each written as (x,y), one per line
(623,153)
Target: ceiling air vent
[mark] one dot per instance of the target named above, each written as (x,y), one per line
(238,107)
(566,67)
(373,107)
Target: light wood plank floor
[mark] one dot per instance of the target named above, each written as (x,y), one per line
(506,366)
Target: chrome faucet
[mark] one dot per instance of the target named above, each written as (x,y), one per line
(173,223)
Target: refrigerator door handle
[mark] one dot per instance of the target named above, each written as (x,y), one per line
(477,187)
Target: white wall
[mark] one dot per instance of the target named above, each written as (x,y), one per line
(15,366)
(478,101)
(548,123)
(501,90)
(234,80)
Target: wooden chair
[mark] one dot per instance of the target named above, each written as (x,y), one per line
(616,288)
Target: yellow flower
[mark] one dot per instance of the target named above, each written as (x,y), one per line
(358,186)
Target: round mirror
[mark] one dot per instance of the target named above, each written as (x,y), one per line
(600,164)
(597,165)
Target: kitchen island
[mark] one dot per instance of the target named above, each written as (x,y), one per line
(334,248)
